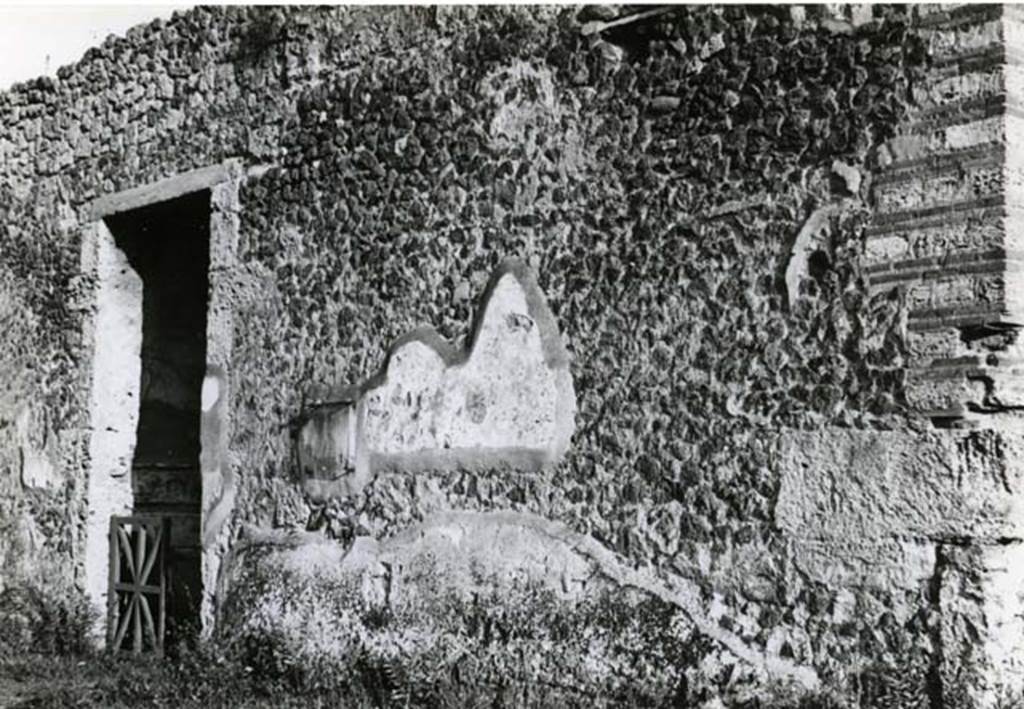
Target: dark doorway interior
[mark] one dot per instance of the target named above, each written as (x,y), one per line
(168,245)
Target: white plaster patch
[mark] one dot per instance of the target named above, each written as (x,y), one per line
(947,90)
(885,249)
(218,467)
(929,191)
(114,402)
(1014,244)
(210,392)
(526,106)
(1014,82)
(971,38)
(871,563)
(507,401)
(36,469)
(1013,32)
(503,396)
(980,594)
(476,553)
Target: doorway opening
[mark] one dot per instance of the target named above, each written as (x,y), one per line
(167,245)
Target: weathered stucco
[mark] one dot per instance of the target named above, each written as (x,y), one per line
(460,557)
(114,402)
(505,401)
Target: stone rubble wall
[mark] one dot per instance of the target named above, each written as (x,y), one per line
(719,204)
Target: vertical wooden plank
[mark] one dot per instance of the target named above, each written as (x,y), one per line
(126,546)
(165,545)
(139,528)
(113,577)
(140,551)
(137,621)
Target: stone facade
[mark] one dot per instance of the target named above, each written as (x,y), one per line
(768,356)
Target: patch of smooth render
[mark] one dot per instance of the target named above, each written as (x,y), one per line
(25,443)
(114,401)
(507,400)
(893,564)
(21,542)
(37,471)
(515,118)
(469,550)
(219,490)
(35,452)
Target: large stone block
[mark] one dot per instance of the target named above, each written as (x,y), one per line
(854,486)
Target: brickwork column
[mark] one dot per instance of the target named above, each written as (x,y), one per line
(948,239)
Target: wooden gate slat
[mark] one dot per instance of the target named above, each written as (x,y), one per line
(126,548)
(125,622)
(165,542)
(153,554)
(137,624)
(140,552)
(114,578)
(149,625)
(129,587)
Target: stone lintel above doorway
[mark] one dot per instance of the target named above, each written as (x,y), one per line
(169,188)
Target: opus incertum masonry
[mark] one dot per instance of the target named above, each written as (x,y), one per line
(658,356)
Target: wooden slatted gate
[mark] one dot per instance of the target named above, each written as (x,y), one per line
(137,596)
